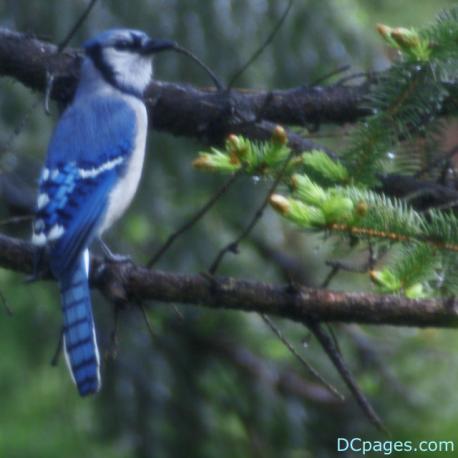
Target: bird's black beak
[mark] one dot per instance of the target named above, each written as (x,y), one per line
(155,45)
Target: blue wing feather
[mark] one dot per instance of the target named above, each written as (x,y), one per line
(89,134)
(81,223)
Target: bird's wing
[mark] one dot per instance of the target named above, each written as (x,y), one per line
(86,156)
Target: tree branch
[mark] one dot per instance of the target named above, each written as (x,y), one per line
(27,59)
(127,282)
(210,116)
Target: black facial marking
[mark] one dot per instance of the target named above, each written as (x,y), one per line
(133,43)
(123,45)
(96,54)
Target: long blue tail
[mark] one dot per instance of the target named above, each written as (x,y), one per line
(79,340)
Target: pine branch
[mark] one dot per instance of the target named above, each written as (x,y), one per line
(318,204)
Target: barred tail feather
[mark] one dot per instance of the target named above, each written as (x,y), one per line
(80,343)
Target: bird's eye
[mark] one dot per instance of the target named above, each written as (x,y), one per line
(123,45)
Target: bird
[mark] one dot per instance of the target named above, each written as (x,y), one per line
(92,170)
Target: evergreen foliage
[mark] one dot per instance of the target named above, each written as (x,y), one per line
(339,196)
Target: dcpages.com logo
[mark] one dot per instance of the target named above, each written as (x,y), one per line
(388,447)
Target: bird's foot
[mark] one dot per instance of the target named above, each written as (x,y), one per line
(113,257)
(38,270)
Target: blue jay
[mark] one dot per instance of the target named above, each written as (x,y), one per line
(93,166)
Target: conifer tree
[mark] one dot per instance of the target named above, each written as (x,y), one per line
(340,194)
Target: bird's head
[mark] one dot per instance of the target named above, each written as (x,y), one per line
(124,57)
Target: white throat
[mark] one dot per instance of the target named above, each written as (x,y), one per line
(128,72)
(131,71)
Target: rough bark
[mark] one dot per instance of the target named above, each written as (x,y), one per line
(208,115)
(203,113)
(126,282)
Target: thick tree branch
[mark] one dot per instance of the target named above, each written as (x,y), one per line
(125,282)
(208,115)
(27,59)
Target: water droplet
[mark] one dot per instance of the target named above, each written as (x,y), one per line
(440,278)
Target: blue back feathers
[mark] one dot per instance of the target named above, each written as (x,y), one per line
(92,131)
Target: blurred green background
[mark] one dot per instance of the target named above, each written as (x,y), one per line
(211,383)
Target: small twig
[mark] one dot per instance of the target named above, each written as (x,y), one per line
(346,79)
(342,368)
(216,81)
(263,46)
(20,126)
(372,360)
(75,28)
(300,358)
(233,246)
(437,161)
(148,323)
(332,73)
(372,260)
(178,312)
(328,135)
(292,268)
(193,220)
(330,276)
(49,80)
(8,311)
(330,345)
(446,206)
(62,45)
(49,84)
(333,336)
(112,351)
(348,266)
(301,277)
(16,220)
(337,266)
(58,350)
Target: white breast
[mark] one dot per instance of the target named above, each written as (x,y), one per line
(124,191)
